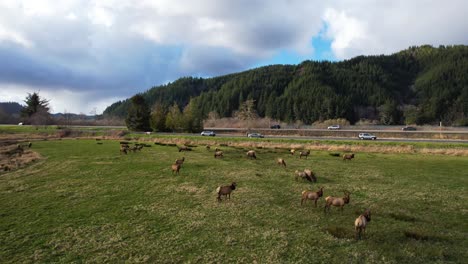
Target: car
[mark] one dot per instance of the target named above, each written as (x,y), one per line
(408,128)
(255,135)
(275,127)
(334,127)
(208,133)
(367,136)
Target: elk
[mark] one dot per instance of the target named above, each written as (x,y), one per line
(292,151)
(180,161)
(183,148)
(336,201)
(281,162)
(124,149)
(218,154)
(304,153)
(303,175)
(175,168)
(251,154)
(361,222)
(225,190)
(310,195)
(311,175)
(207,147)
(348,156)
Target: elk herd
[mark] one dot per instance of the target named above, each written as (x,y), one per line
(306,174)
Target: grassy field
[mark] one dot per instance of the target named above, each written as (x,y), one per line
(84,202)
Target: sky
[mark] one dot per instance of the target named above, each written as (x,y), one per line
(84,55)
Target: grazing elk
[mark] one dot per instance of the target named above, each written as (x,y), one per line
(337,201)
(311,175)
(292,151)
(303,175)
(225,190)
(304,153)
(310,195)
(218,154)
(207,147)
(361,222)
(251,154)
(175,168)
(183,148)
(281,162)
(124,148)
(348,156)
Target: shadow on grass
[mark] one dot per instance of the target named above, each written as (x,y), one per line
(339,232)
(421,236)
(402,217)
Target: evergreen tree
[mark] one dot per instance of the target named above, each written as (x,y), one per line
(158,118)
(138,114)
(36,111)
(192,118)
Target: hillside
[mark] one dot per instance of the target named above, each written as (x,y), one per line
(9,112)
(418,85)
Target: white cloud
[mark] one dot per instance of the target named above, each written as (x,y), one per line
(366,27)
(116,48)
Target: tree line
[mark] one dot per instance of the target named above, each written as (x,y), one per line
(419,85)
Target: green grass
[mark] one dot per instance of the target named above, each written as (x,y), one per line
(87,203)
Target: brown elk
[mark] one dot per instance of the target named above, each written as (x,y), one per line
(218,154)
(361,222)
(180,161)
(281,162)
(311,175)
(225,191)
(175,168)
(251,154)
(348,156)
(337,201)
(304,153)
(124,149)
(183,148)
(303,175)
(292,151)
(310,195)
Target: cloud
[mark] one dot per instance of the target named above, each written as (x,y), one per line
(368,27)
(95,51)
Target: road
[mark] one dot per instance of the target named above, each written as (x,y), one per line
(328,138)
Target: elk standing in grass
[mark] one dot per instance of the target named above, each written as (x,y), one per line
(180,161)
(304,153)
(175,168)
(251,154)
(310,195)
(337,201)
(348,156)
(361,222)
(281,162)
(225,191)
(292,151)
(218,154)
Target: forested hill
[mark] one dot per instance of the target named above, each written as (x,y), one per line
(417,85)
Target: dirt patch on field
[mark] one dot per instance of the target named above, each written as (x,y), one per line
(14,155)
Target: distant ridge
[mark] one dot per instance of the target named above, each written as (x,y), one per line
(417,85)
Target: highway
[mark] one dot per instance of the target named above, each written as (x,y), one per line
(324,138)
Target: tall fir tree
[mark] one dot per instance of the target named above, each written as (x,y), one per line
(138,114)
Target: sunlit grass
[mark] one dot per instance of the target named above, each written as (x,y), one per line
(85,202)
